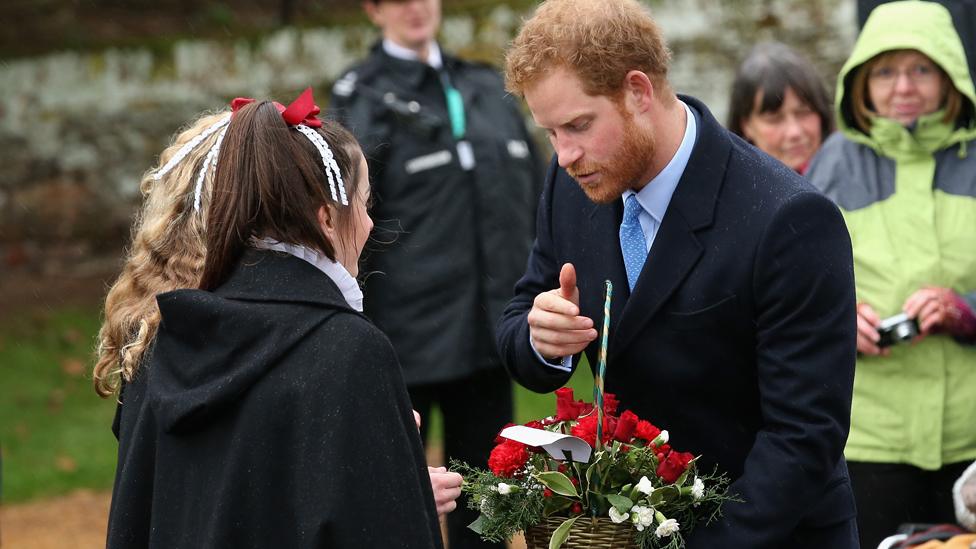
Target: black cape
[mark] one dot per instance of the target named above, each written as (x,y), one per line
(269,414)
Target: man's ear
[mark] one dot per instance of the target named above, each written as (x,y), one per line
(326,215)
(639,91)
(373,12)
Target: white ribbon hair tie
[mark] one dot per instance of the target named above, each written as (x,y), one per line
(210,160)
(189,146)
(332,173)
(328,160)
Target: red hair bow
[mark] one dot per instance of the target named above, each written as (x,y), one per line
(302,110)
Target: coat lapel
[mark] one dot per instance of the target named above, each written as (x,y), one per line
(674,253)
(606,259)
(676,247)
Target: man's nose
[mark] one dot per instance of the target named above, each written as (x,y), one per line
(567,153)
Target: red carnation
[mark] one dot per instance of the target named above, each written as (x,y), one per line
(499,439)
(661,451)
(586,429)
(673,465)
(646,430)
(508,457)
(625,426)
(610,403)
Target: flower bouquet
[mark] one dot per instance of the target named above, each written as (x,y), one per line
(631,486)
(588,477)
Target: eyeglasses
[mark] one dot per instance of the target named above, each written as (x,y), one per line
(919,73)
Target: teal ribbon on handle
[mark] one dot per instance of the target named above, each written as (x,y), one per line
(601,370)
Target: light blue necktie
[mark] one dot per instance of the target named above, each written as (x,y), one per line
(632,242)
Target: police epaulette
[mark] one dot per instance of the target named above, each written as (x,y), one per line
(344,86)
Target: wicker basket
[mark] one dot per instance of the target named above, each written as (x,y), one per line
(594,533)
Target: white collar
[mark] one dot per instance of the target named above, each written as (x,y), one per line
(434,58)
(348,285)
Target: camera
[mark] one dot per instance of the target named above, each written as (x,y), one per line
(897,329)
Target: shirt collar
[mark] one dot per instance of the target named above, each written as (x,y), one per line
(656,195)
(348,285)
(434,58)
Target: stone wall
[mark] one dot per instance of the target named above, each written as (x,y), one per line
(78,130)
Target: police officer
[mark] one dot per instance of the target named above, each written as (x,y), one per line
(456,179)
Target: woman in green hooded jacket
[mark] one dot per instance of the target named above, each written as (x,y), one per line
(903,171)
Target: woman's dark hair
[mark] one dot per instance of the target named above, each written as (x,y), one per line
(771,68)
(270,182)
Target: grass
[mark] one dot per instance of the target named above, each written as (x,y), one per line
(529,405)
(55,433)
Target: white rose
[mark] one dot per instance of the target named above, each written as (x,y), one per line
(617,517)
(667,528)
(645,486)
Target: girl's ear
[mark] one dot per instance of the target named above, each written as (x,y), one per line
(326,215)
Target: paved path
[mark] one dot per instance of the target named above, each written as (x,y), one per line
(75,521)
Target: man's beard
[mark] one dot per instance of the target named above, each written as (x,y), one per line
(624,170)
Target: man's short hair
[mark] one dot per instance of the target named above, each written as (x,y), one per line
(598,40)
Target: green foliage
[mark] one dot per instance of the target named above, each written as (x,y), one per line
(502,515)
(55,431)
(160,25)
(621,503)
(558,483)
(219,14)
(561,534)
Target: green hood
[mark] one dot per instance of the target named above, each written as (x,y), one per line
(908,25)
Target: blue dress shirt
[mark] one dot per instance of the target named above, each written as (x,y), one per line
(654,199)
